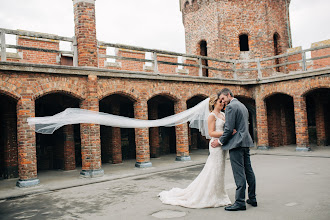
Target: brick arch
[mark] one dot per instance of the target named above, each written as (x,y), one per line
(267,95)
(10,94)
(8,89)
(53,87)
(244,96)
(311,89)
(168,94)
(198,94)
(131,96)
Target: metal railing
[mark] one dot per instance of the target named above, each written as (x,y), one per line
(234,67)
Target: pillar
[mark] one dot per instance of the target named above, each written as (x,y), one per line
(181,132)
(301,123)
(26,138)
(90,134)
(116,136)
(142,136)
(154,132)
(320,122)
(69,148)
(85,32)
(262,124)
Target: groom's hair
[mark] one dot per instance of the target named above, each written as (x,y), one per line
(225,91)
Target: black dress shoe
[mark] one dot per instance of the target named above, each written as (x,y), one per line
(235,207)
(254,204)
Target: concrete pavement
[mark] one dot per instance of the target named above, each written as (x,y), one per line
(290,185)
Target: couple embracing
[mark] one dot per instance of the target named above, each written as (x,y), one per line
(229,131)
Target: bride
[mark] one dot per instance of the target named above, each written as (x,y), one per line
(208,189)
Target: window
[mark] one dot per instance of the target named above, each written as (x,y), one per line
(244,42)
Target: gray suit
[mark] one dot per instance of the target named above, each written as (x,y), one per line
(237,117)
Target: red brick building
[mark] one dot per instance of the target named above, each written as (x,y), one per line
(229,44)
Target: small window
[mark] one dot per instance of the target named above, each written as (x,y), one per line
(186,5)
(244,42)
(203,52)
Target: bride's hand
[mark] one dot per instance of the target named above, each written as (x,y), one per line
(234,131)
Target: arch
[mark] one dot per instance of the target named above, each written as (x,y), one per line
(203,96)
(130,96)
(53,87)
(167,94)
(10,94)
(272,93)
(244,42)
(312,89)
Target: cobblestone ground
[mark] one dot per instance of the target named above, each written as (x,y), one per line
(288,187)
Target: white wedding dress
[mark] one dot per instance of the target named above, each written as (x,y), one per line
(208,189)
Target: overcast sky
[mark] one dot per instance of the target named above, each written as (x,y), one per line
(147,23)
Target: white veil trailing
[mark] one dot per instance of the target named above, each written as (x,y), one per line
(196,116)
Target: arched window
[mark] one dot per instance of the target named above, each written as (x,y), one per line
(203,52)
(276,38)
(244,42)
(186,4)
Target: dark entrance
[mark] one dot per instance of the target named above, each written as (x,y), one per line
(318,108)
(117,144)
(281,120)
(196,140)
(162,139)
(54,151)
(8,138)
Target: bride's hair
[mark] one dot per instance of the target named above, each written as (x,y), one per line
(213,99)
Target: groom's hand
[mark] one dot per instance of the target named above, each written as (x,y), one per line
(215,143)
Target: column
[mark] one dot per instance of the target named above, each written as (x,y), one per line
(85,32)
(90,134)
(154,132)
(142,136)
(69,148)
(181,132)
(116,136)
(26,138)
(320,122)
(301,123)
(262,125)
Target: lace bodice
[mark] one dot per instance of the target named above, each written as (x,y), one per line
(219,123)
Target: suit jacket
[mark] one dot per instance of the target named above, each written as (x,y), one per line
(237,117)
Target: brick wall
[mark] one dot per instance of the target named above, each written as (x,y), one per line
(30,56)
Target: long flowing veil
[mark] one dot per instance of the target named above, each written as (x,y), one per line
(196,116)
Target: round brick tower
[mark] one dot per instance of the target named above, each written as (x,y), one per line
(236,29)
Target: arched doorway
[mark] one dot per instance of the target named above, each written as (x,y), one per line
(318,108)
(117,144)
(251,106)
(8,138)
(62,149)
(281,120)
(196,140)
(162,140)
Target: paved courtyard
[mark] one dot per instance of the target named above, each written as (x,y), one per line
(292,185)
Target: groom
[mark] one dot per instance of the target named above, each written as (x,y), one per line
(238,145)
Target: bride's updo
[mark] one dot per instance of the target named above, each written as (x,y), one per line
(213,99)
